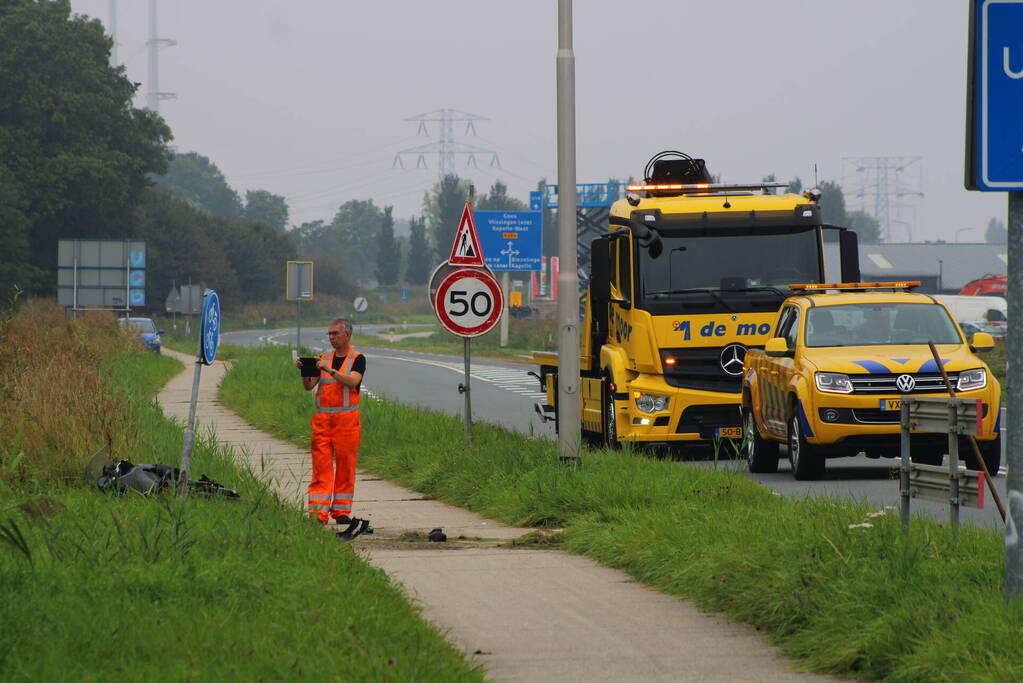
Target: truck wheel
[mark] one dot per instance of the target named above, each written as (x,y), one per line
(761,454)
(807,464)
(610,424)
(991,451)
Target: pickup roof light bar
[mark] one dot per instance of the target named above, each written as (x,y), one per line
(702,187)
(855,286)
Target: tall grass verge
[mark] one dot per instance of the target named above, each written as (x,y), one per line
(99,586)
(833,581)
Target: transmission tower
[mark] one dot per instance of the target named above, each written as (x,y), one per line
(113,32)
(446,146)
(154,95)
(883,187)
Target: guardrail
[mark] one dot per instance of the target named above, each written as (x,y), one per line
(952,482)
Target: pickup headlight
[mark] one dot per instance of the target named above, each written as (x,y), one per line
(972,379)
(833,383)
(651,403)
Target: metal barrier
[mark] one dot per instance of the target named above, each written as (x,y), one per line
(953,482)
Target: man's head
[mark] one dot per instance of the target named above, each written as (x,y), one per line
(339,332)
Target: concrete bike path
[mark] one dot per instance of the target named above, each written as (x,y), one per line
(524,614)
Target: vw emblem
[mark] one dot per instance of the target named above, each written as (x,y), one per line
(905,383)
(731,359)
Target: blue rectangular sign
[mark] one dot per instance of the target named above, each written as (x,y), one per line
(536,201)
(995,135)
(511,240)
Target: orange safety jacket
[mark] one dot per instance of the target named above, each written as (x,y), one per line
(331,395)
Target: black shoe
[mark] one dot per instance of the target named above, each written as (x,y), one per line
(356,528)
(343,519)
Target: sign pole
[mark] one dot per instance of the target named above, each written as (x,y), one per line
(468,402)
(568,279)
(186,448)
(298,328)
(1014,399)
(504,315)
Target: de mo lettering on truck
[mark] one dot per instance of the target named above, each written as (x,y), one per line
(687,279)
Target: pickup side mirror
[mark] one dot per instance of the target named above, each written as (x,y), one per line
(777,347)
(161,331)
(982,341)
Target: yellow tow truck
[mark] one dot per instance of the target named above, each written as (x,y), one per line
(830,381)
(689,276)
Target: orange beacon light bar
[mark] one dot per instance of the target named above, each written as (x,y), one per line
(855,286)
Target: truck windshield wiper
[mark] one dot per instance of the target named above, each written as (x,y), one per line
(695,290)
(762,288)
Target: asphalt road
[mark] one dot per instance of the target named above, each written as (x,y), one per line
(503,394)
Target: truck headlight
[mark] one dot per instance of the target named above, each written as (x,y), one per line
(833,383)
(972,379)
(651,403)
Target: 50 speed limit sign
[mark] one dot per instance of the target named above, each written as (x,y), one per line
(468,302)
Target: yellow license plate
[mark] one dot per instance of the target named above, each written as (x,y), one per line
(728,432)
(891,404)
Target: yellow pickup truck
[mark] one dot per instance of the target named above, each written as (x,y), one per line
(829,381)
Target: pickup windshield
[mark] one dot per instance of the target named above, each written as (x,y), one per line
(728,272)
(871,324)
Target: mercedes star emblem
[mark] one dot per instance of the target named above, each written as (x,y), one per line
(731,359)
(905,383)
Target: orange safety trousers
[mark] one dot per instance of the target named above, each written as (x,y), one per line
(335,443)
(335,447)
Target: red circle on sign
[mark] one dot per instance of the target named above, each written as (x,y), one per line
(468,302)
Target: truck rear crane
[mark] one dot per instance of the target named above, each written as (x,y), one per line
(689,275)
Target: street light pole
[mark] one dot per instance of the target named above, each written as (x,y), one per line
(1014,408)
(568,278)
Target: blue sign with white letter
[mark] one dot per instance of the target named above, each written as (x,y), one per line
(536,201)
(995,154)
(209,327)
(510,240)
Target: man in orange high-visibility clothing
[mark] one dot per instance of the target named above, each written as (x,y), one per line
(336,426)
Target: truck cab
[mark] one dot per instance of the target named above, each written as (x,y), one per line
(830,381)
(688,278)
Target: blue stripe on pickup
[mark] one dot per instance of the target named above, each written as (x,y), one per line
(873,367)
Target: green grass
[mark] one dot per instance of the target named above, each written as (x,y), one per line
(850,601)
(97,586)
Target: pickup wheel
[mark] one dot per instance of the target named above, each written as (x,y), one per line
(610,425)
(761,454)
(807,464)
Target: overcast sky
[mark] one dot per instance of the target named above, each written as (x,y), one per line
(307,98)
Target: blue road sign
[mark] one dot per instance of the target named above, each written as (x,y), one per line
(137,297)
(404,294)
(511,240)
(209,327)
(995,135)
(536,201)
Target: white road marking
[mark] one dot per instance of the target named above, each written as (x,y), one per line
(511,380)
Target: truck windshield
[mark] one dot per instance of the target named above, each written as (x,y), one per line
(869,324)
(728,272)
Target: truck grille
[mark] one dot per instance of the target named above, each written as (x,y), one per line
(926,383)
(700,368)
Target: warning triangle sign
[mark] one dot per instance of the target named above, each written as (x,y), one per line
(466,250)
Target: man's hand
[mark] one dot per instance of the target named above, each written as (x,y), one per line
(298,363)
(323,365)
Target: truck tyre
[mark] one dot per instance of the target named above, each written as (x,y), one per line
(807,464)
(761,454)
(991,451)
(610,425)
